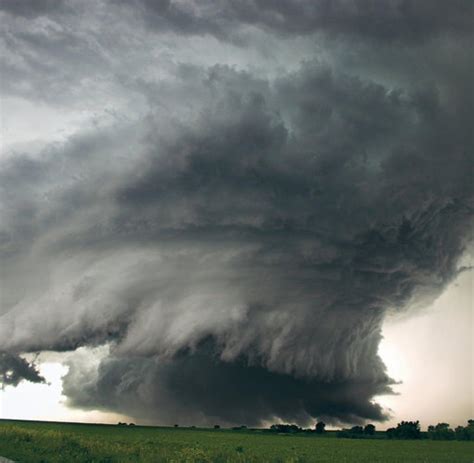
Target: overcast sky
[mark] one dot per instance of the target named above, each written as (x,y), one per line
(236,212)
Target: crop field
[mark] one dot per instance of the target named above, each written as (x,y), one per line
(86,443)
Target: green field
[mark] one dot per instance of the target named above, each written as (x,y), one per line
(59,442)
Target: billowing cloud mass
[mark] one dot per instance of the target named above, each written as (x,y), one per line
(233,230)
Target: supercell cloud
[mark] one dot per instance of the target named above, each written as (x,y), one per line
(258,185)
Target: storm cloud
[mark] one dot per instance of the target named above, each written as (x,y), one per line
(398,20)
(236,237)
(14,369)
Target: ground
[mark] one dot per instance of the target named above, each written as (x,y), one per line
(29,442)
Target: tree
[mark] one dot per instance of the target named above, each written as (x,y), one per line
(441,431)
(461,433)
(320,427)
(285,428)
(369,429)
(216,426)
(465,432)
(405,430)
(357,430)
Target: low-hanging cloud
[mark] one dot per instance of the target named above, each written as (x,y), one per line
(14,369)
(240,245)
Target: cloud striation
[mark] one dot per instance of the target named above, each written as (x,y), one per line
(238,246)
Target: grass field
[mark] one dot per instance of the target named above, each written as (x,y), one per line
(59,442)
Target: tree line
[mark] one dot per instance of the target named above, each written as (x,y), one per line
(403,430)
(441,431)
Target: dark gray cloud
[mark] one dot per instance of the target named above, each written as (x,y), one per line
(197,387)
(239,245)
(30,8)
(399,20)
(14,369)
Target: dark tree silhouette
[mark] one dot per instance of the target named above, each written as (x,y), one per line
(320,427)
(465,432)
(358,430)
(369,429)
(441,431)
(286,428)
(405,430)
